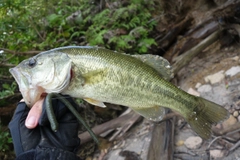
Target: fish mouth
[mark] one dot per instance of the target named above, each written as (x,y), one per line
(16,74)
(31,94)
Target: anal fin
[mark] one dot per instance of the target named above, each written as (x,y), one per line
(155,113)
(95,102)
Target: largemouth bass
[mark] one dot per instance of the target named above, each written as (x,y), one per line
(98,75)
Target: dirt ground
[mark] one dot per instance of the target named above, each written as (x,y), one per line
(225,92)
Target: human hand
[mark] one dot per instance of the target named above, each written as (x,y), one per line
(41,140)
(34,114)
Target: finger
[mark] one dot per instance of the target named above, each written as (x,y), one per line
(34,114)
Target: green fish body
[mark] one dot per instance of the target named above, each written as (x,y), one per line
(99,75)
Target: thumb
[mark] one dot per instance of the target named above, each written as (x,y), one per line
(34,114)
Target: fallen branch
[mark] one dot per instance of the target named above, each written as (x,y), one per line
(162,141)
(172,34)
(20,53)
(185,58)
(112,124)
(7,65)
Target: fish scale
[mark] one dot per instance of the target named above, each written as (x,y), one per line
(99,75)
(127,85)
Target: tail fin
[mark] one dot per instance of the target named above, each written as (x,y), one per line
(205,115)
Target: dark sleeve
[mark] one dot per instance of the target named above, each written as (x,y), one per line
(24,139)
(47,154)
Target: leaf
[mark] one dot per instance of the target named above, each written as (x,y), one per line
(146,43)
(53,18)
(6,86)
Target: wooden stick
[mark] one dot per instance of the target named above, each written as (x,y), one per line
(162,141)
(185,58)
(112,124)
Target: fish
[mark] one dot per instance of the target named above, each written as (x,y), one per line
(100,75)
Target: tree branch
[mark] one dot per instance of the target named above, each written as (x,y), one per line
(20,53)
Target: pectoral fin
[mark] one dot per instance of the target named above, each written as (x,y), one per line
(158,63)
(155,113)
(95,102)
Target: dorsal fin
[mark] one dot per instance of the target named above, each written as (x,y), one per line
(159,63)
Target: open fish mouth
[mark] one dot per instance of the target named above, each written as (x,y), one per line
(16,74)
(20,78)
(30,94)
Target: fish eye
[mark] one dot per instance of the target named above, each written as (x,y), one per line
(32,62)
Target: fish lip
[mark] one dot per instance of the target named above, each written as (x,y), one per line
(21,80)
(22,83)
(30,94)
(16,74)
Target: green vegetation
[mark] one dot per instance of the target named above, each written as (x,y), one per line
(42,25)
(8,90)
(27,25)
(5,140)
(30,25)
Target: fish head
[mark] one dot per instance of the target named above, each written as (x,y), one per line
(47,72)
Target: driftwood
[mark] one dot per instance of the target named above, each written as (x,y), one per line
(162,141)
(196,40)
(193,37)
(112,124)
(222,18)
(172,34)
(185,58)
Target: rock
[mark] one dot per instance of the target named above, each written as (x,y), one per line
(205,88)
(180,121)
(216,153)
(231,110)
(198,85)
(235,113)
(219,126)
(236,58)
(180,143)
(229,122)
(193,92)
(233,71)
(215,78)
(238,118)
(219,2)
(193,142)
(227,107)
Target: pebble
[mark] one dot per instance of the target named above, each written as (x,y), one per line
(235,113)
(205,88)
(231,110)
(180,143)
(219,126)
(229,122)
(193,92)
(238,118)
(215,78)
(193,142)
(233,71)
(236,58)
(198,85)
(227,107)
(215,153)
